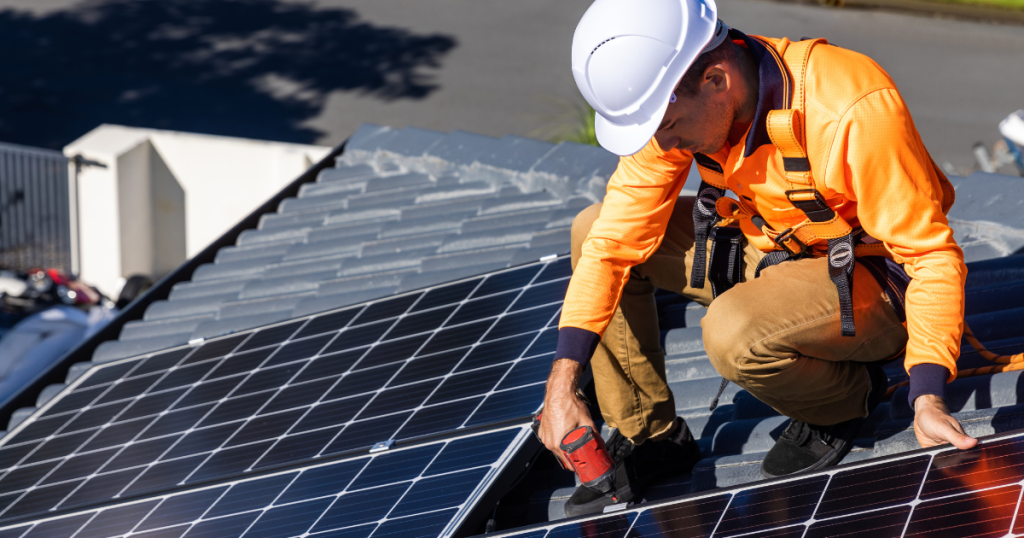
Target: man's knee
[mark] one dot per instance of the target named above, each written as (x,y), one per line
(581,226)
(726,332)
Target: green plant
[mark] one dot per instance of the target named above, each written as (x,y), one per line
(583,131)
(574,124)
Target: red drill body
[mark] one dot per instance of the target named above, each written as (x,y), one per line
(585,450)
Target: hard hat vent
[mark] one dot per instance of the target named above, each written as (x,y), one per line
(601,43)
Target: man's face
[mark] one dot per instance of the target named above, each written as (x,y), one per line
(698,123)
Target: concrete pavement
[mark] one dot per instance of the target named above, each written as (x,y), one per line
(506,70)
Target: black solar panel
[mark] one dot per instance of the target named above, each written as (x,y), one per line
(465,356)
(420,491)
(936,493)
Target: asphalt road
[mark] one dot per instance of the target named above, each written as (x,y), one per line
(488,66)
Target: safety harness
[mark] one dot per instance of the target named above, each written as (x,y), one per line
(821,223)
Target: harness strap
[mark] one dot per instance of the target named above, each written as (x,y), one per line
(725,269)
(841,261)
(704,218)
(785,128)
(774,257)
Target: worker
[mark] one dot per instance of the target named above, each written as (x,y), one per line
(833,255)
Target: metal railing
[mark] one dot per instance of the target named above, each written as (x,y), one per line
(35,212)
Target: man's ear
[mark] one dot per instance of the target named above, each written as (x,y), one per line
(716,79)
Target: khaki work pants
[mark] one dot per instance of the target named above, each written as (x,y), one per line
(777,336)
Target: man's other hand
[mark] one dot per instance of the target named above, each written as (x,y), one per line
(933,424)
(563,410)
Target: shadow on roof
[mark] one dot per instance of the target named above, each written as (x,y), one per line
(249,68)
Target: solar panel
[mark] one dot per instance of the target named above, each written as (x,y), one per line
(420,491)
(936,492)
(469,355)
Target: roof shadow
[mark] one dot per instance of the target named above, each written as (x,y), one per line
(248,68)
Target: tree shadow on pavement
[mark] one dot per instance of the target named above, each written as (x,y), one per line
(248,68)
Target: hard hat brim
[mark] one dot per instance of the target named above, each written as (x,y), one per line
(625,140)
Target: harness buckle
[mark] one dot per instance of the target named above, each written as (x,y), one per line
(806,195)
(788,241)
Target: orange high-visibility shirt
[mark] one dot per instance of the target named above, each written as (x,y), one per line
(868,161)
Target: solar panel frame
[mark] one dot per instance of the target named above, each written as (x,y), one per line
(939,491)
(314,490)
(29,454)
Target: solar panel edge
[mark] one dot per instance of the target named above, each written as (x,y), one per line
(516,456)
(636,510)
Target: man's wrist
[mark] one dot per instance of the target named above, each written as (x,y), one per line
(928,400)
(927,379)
(565,375)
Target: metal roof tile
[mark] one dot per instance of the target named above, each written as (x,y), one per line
(373,281)
(237,309)
(321,303)
(450,222)
(399,182)
(251,252)
(343,247)
(214,271)
(398,245)
(462,148)
(221,327)
(112,350)
(363,216)
(385,262)
(509,204)
(285,234)
(136,330)
(411,142)
(285,285)
(182,308)
(515,153)
(195,290)
(573,160)
(343,173)
(369,138)
(305,266)
(510,235)
(338,200)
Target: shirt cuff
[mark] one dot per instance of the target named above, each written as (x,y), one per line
(926,378)
(576,344)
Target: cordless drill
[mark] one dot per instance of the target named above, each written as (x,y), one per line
(585,450)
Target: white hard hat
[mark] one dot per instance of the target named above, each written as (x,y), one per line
(628,56)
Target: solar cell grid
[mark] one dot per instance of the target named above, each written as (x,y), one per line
(321,386)
(940,492)
(413,492)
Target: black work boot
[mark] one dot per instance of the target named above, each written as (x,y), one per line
(807,447)
(636,467)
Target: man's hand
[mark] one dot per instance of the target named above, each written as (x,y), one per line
(563,410)
(933,424)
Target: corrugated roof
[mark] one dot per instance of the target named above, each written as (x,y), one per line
(408,208)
